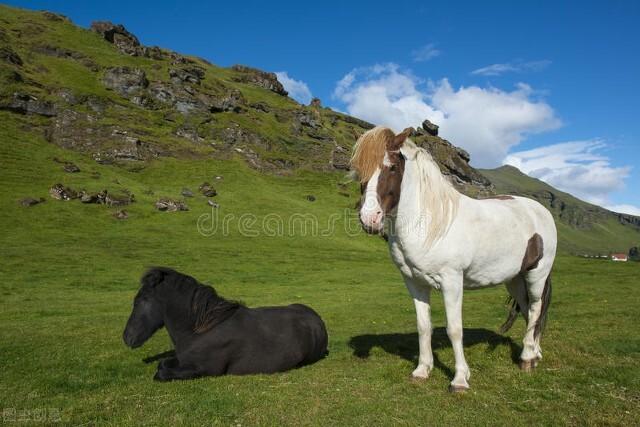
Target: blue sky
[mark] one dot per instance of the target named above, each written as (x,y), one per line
(552,88)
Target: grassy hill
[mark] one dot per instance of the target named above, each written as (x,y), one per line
(583,228)
(101,93)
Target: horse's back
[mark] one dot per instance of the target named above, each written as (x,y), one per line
(275,339)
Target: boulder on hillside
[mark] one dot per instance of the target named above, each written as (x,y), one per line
(430,128)
(60,192)
(125,80)
(25,103)
(169,205)
(30,201)
(71,167)
(9,56)
(207,190)
(232,100)
(259,78)
(54,16)
(126,42)
(121,214)
(187,75)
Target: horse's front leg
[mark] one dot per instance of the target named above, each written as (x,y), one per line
(452,293)
(421,295)
(170,369)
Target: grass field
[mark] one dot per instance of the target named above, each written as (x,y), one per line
(69,273)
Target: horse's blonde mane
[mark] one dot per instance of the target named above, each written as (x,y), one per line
(438,198)
(368,153)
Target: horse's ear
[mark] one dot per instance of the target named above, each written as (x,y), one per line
(399,139)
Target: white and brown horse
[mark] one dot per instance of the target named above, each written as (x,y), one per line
(442,239)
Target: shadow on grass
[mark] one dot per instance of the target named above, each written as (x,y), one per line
(406,345)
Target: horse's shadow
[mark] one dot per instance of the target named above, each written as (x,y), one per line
(406,345)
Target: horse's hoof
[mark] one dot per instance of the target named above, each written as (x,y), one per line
(528,365)
(458,388)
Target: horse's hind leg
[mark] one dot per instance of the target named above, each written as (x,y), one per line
(517,288)
(536,281)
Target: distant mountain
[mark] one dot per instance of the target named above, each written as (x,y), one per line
(583,227)
(102,93)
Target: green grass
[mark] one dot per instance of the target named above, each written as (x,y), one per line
(69,272)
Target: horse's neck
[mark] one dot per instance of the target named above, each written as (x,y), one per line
(177,317)
(410,211)
(417,209)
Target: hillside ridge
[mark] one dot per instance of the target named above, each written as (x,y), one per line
(102,93)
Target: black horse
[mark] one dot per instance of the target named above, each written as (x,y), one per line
(213,336)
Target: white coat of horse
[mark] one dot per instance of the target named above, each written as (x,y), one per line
(441,239)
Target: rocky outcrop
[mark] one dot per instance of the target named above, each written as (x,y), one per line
(84,132)
(169,205)
(259,78)
(9,56)
(187,75)
(430,128)
(60,192)
(125,41)
(207,190)
(25,103)
(125,80)
(30,201)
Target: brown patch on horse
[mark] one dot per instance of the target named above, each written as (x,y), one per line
(390,178)
(500,197)
(533,254)
(390,181)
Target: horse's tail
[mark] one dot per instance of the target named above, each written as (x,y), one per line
(514,309)
(546,301)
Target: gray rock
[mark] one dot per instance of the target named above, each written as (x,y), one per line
(430,128)
(207,190)
(186,192)
(24,103)
(71,168)
(54,16)
(125,80)
(230,101)
(30,201)
(121,214)
(169,205)
(60,192)
(187,75)
(311,198)
(259,78)
(125,41)
(9,56)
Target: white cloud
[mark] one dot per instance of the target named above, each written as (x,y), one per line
(297,89)
(576,167)
(486,122)
(512,67)
(425,53)
(627,209)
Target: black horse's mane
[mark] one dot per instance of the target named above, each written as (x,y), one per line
(206,308)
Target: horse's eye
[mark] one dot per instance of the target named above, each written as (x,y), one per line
(393,168)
